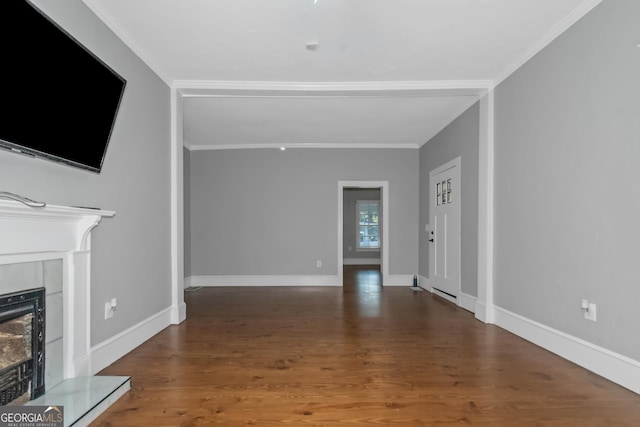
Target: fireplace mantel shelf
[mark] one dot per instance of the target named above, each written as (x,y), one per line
(11,207)
(27,229)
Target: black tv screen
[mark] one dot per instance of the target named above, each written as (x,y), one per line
(58,101)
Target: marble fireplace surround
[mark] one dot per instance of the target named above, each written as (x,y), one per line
(34,234)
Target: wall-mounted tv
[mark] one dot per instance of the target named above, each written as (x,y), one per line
(58,101)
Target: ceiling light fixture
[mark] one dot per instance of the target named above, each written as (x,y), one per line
(283,148)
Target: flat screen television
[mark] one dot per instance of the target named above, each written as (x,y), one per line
(58,101)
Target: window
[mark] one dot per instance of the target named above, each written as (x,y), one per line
(368,226)
(443,192)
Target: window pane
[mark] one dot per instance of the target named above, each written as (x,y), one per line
(368,230)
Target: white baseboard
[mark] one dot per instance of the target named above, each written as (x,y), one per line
(468,302)
(179,313)
(424,283)
(316,280)
(361,261)
(613,366)
(187,282)
(485,312)
(112,349)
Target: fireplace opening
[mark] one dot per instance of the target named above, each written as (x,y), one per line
(22,344)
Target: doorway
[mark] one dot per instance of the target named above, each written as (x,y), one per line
(444,230)
(383,232)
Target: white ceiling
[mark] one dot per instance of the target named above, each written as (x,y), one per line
(356,73)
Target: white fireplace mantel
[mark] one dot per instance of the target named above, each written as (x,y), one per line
(57,232)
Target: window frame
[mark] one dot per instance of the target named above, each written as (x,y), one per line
(379,225)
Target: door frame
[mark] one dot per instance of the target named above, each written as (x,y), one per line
(455,163)
(384,250)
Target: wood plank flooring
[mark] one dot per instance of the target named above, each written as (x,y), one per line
(357,355)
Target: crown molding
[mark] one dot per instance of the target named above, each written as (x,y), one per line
(213,88)
(269,146)
(578,13)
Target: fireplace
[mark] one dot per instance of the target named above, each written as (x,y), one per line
(48,250)
(22,348)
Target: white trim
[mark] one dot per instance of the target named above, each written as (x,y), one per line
(178,307)
(484,312)
(384,198)
(280,145)
(112,349)
(484,304)
(361,261)
(612,366)
(578,13)
(468,302)
(424,283)
(196,88)
(187,282)
(237,280)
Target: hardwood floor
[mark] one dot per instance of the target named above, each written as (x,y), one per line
(357,355)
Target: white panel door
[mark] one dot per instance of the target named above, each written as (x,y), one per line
(444,230)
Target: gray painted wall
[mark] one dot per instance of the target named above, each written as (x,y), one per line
(567,192)
(131,252)
(269,212)
(460,138)
(349,221)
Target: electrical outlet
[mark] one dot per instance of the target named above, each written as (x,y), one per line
(589,309)
(591,313)
(319,263)
(108,310)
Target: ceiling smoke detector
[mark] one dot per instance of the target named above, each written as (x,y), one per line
(312,46)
